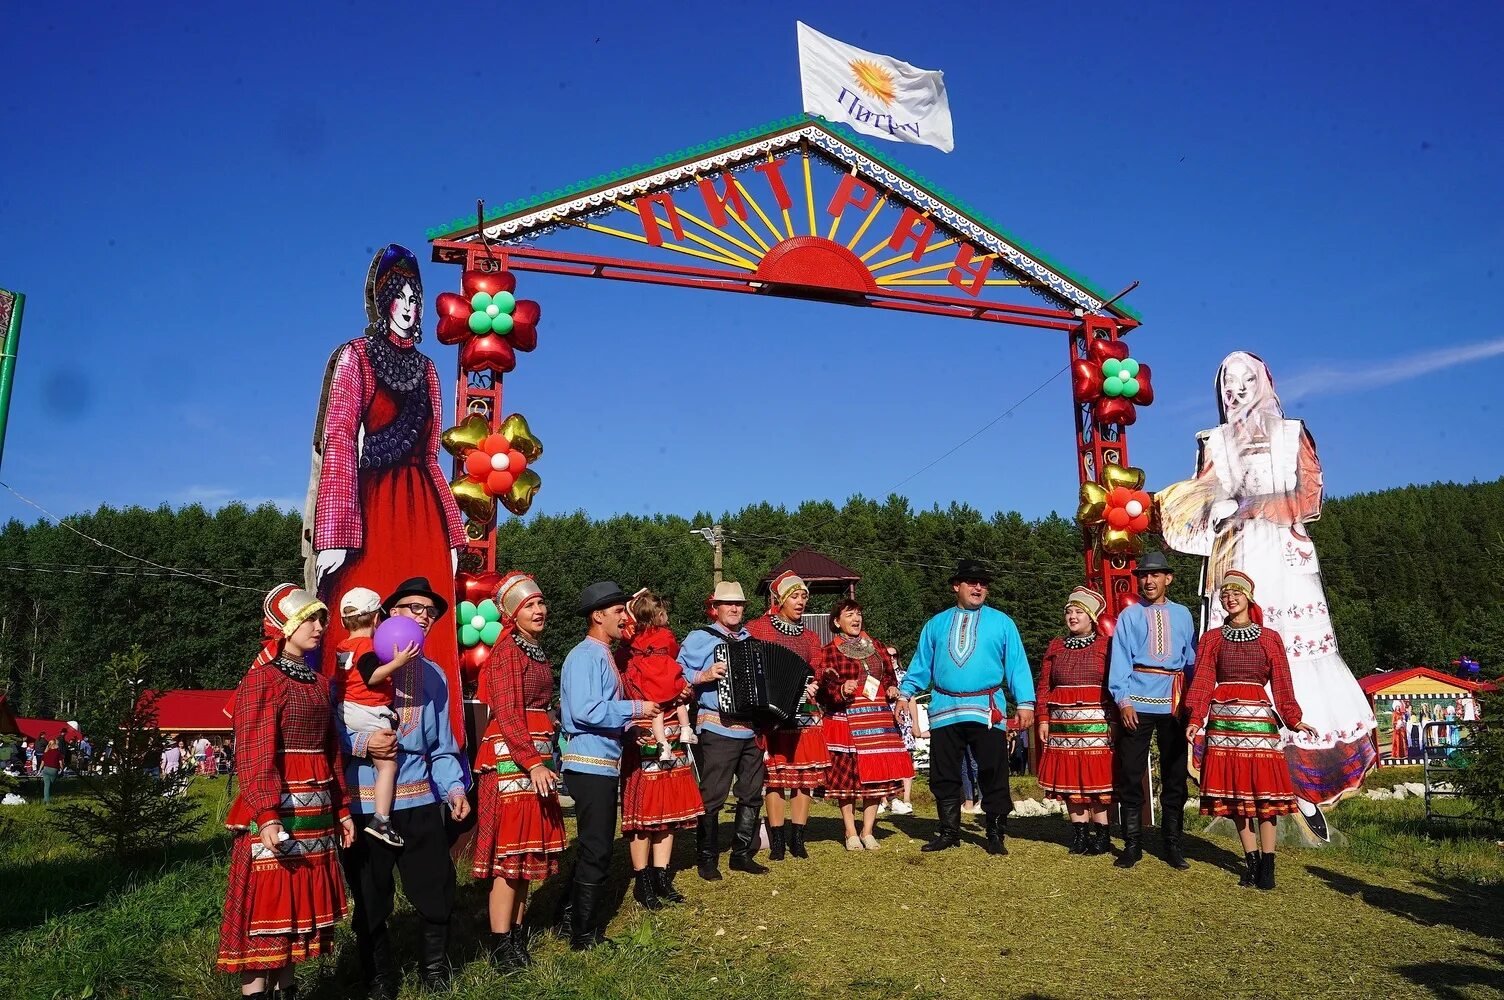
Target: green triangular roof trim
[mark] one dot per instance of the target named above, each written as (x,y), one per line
(466,225)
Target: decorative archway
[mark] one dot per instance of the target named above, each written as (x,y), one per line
(801,208)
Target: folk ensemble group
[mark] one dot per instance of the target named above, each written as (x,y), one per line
(349,782)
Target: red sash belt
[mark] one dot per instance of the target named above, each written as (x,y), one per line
(989,693)
(1177,683)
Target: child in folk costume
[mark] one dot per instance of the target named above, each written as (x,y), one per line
(651,671)
(1076,766)
(363,691)
(285,891)
(519,833)
(859,689)
(660,793)
(1244,774)
(798,759)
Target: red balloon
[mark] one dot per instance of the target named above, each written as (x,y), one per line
(1107,623)
(1138,524)
(489,282)
(472,659)
(476,587)
(1145,394)
(499,482)
(454,317)
(527,311)
(1116,410)
(1117,517)
(477,464)
(1143,498)
(1119,496)
(1086,380)
(516,462)
(495,444)
(488,352)
(1100,350)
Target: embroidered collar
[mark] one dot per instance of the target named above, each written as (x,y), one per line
(858,649)
(963,635)
(1247,633)
(295,669)
(1080,641)
(532,649)
(785,626)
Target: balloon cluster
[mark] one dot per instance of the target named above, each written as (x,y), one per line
(475,591)
(1112,382)
(490,323)
(497,468)
(479,623)
(1118,510)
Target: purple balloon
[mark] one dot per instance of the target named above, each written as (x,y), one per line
(394,635)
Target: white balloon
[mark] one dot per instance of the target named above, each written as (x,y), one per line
(1134,508)
(477,623)
(500,462)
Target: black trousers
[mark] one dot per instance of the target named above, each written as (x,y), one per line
(595,823)
(721,759)
(427,871)
(1132,752)
(989,746)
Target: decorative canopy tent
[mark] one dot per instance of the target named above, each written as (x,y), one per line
(823,574)
(1419,708)
(800,208)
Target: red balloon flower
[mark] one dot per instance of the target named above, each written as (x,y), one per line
(487,350)
(1094,380)
(495,465)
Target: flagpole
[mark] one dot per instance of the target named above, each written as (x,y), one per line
(12,304)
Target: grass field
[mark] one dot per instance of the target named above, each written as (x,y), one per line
(1394,913)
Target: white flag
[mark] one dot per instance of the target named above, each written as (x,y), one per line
(874,94)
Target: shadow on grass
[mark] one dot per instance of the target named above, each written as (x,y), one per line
(1457,979)
(1464,905)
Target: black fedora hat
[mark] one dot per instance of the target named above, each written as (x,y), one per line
(604,594)
(1153,562)
(971,569)
(417,586)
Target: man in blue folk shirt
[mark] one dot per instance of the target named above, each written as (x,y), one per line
(967,654)
(594,714)
(1153,652)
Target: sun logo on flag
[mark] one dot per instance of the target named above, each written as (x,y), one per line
(874,79)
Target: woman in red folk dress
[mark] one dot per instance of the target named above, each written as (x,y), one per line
(1244,774)
(859,690)
(380,510)
(285,891)
(1076,734)
(798,759)
(519,835)
(660,793)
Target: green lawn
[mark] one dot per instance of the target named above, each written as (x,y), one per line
(1395,913)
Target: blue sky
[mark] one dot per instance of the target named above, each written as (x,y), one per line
(190,203)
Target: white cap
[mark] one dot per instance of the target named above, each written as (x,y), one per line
(359,601)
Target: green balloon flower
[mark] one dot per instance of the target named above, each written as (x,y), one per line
(1112,386)
(1130,368)
(1112,368)
(479,623)
(1130,388)
(493,313)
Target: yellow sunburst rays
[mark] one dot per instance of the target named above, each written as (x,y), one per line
(874,80)
(911,276)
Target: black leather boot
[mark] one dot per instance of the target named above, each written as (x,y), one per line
(1250,877)
(1133,849)
(708,849)
(564,912)
(775,843)
(1099,841)
(434,971)
(949,834)
(503,951)
(1266,871)
(663,881)
(1078,838)
(587,897)
(796,840)
(376,965)
(1173,828)
(744,841)
(997,829)
(645,889)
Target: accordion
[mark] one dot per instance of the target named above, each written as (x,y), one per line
(764,681)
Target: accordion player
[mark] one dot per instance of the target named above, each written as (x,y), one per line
(764,681)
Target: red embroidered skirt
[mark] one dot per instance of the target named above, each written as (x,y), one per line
(1076,765)
(518,833)
(655,797)
(281,906)
(878,762)
(798,759)
(1244,773)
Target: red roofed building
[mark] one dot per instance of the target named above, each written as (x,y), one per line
(193,713)
(823,574)
(1420,708)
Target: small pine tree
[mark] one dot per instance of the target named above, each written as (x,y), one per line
(1480,775)
(129,810)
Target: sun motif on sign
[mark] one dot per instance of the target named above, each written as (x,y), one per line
(874,79)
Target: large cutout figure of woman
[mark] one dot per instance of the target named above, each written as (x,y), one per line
(1257,486)
(379,508)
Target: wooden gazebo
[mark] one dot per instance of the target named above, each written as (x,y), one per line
(823,574)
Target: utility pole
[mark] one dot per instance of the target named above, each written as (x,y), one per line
(717,539)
